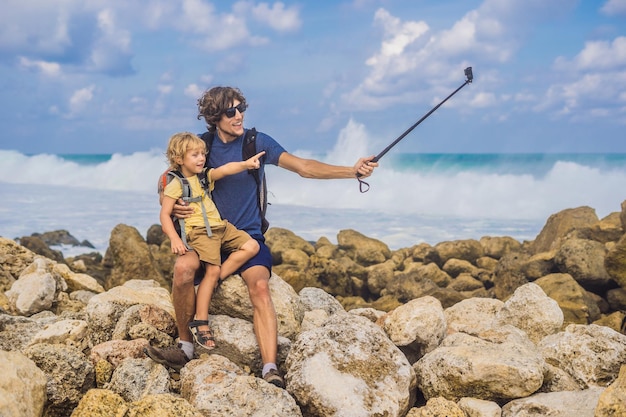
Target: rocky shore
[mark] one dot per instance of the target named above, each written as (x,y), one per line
(490,327)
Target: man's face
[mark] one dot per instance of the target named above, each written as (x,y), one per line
(230,128)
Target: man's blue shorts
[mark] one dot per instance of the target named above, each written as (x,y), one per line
(264,258)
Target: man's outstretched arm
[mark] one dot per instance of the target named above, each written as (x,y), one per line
(311,168)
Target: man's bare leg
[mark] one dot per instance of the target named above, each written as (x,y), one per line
(183,292)
(264,314)
(184,301)
(264,321)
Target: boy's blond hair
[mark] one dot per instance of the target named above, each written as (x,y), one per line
(179,145)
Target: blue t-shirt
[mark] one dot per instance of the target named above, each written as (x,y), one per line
(236,195)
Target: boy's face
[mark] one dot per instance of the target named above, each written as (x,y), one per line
(193,162)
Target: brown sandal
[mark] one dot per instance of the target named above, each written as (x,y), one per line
(202,337)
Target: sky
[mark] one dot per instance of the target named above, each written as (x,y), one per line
(121,76)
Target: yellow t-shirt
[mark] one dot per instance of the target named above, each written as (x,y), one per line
(175,190)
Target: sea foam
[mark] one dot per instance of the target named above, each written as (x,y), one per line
(413,198)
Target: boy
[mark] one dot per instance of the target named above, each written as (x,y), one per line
(186,153)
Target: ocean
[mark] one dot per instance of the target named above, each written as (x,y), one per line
(413,197)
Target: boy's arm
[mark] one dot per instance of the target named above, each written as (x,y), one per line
(167,205)
(233,168)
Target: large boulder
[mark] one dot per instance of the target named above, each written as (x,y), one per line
(128,257)
(419,325)
(13,259)
(37,245)
(591,354)
(508,275)
(362,249)
(135,378)
(100,403)
(583,259)
(555,404)
(70,375)
(22,386)
(281,241)
(349,363)
(499,364)
(615,262)
(531,310)
(560,224)
(216,386)
(105,310)
(608,229)
(497,247)
(464,249)
(612,401)
(472,316)
(235,340)
(232,299)
(577,304)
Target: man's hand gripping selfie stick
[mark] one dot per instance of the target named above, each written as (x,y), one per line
(469,77)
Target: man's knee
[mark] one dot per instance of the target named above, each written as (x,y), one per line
(185,269)
(259,291)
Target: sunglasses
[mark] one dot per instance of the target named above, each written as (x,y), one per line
(231,111)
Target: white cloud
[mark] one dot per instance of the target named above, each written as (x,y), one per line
(35,28)
(85,37)
(410,52)
(79,100)
(164,89)
(216,32)
(483,99)
(194,91)
(277,16)
(586,96)
(111,51)
(390,61)
(614,7)
(51,69)
(461,37)
(592,81)
(596,56)
(199,15)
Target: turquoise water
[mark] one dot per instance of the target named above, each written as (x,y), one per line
(86,159)
(536,164)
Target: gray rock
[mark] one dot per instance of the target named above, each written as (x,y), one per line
(349,364)
(22,386)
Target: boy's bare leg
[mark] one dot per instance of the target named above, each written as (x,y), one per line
(239,257)
(203,302)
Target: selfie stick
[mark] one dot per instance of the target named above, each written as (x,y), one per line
(469,77)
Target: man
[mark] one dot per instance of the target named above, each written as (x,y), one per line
(236,199)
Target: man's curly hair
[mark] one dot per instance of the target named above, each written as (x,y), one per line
(215,101)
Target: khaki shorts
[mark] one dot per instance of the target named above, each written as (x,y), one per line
(225,238)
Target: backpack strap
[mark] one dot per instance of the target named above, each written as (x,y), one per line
(208,137)
(188,197)
(248,150)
